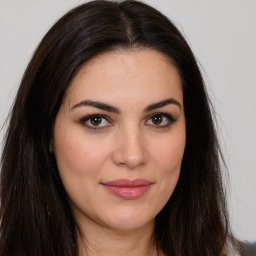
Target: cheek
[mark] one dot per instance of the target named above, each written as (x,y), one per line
(79,156)
(168,157)
(79,163)
(76,153)
(169,153)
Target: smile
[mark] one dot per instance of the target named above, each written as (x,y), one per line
(128,189)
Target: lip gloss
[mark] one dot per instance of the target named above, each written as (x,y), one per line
(128,189)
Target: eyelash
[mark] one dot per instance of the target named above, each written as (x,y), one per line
(170,120)
(90,117)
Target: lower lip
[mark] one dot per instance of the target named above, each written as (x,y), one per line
(128,193)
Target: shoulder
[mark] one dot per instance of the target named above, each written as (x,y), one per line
(248,249)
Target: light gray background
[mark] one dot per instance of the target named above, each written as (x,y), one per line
(222,34)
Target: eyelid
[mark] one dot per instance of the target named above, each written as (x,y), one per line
(88,117)
(170,118)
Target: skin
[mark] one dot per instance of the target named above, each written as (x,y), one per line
(128,144)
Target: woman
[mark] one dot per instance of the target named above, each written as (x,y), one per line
(117,152)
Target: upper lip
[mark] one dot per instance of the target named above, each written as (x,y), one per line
(128,183)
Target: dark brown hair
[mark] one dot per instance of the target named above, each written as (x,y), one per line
(36,219)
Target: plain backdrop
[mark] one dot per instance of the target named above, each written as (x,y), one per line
(222,34)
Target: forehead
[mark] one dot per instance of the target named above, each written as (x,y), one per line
(126,75)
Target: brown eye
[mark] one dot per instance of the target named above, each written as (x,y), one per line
(160,120)
(157,119)
(95,121)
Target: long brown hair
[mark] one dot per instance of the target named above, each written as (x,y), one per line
(36,219)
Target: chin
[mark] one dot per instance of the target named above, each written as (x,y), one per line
(129,221)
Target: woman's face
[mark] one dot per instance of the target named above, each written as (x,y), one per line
(119,138)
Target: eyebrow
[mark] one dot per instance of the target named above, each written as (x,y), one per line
(96,104)
(162,104)
(109,108)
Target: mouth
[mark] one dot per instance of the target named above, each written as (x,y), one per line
(128,189)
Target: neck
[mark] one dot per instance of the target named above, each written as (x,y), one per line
(104,241)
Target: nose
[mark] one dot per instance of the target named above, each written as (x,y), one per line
(130,151)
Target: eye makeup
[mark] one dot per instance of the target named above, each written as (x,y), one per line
(160,120)
(101,121)
(96,121)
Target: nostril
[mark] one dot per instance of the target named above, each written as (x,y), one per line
(130,150)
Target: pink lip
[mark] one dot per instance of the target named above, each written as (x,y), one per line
(128,189)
